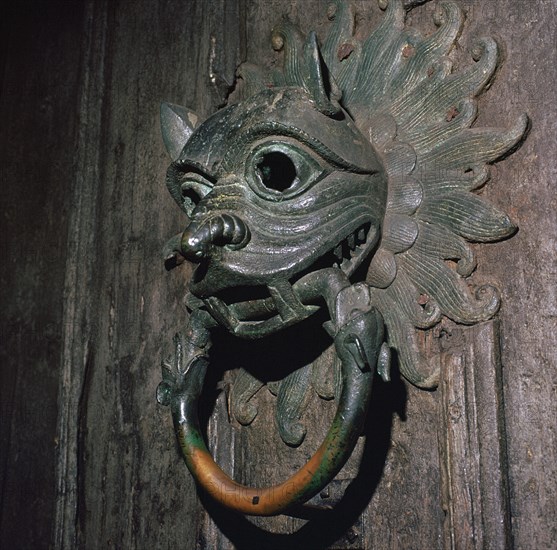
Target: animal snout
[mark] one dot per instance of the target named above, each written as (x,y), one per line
(216,231)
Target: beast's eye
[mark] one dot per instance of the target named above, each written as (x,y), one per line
(276,171)
(279,170)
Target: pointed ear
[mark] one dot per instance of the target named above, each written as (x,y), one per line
(319,82)
(177,125)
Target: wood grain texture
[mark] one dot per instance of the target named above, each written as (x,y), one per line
(117,467)
(525,267)
(39,92)
(472,439)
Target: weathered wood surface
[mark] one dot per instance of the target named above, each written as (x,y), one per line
(87,306)
(119,465)
(39,92)
(472,439)
(85,172)
(525,267)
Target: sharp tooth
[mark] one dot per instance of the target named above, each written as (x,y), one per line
(351,240)
(361,235)
(338,252)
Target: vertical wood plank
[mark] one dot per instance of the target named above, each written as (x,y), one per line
(39,87)
(525,267)
(473,440)
(121,480)
(79,327)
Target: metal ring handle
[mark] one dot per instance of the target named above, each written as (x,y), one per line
(182,389)
(308,481)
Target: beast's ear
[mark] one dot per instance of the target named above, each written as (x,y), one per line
(177,125)
(318,81)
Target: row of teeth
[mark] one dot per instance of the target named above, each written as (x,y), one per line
(349,248)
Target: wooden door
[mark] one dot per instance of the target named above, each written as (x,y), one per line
(88,458)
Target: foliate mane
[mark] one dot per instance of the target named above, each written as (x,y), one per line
(401,91)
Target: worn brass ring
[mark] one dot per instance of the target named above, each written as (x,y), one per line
(306,482)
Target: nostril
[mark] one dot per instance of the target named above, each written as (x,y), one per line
(172,252)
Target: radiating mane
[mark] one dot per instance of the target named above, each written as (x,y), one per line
(402,92)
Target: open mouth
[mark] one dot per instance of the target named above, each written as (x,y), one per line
(349,253)
(257,311)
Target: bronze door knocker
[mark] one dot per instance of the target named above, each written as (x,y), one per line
(344,182)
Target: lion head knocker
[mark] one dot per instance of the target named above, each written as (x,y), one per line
(343,181)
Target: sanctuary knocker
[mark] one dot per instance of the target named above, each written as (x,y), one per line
(343,182)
